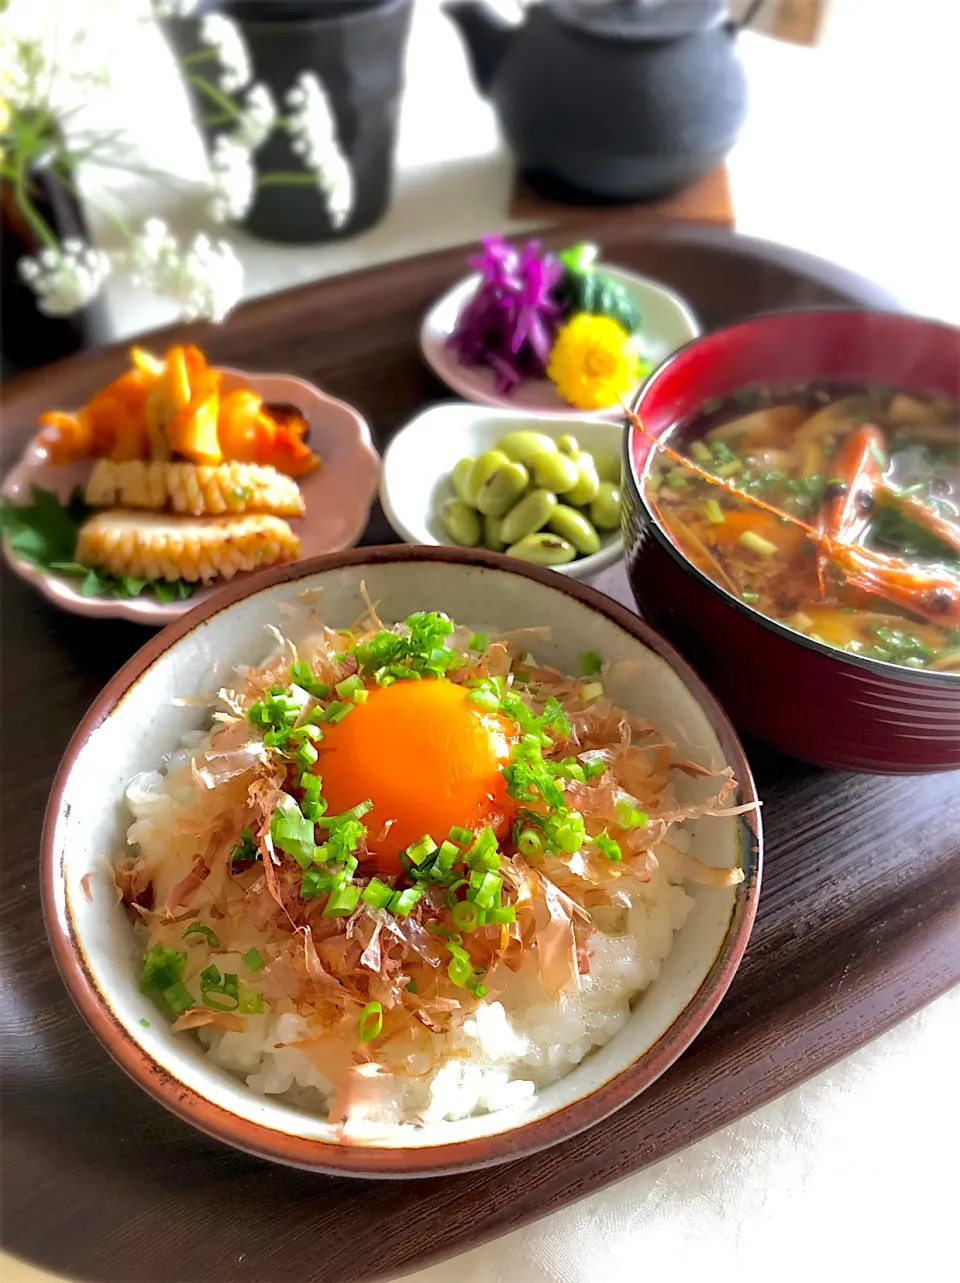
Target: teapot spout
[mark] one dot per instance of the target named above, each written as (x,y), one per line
(486,35)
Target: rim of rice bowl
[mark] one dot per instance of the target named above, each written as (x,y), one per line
(527,1067)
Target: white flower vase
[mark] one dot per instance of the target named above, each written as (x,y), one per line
(335,71)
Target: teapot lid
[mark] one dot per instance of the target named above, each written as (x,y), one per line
(638,19)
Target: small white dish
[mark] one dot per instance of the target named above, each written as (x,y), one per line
(668,323)
(338,497)
(415,479)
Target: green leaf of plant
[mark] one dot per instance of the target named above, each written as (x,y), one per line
(44,532)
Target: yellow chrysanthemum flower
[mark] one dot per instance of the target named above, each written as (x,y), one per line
(593,362)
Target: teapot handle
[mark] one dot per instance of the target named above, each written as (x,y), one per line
(733,27)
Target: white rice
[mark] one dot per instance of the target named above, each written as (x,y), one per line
(521,1041)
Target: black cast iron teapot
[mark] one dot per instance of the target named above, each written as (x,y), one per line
(615,99)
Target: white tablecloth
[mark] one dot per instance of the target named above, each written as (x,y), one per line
(850,152)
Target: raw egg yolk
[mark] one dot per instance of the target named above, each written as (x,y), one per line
(427,758)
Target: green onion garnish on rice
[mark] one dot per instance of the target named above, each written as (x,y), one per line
(253,960)
(178,997)
(371,1021)
(377,894)
(162,968)
(201,929)
(608,846)
(590,662)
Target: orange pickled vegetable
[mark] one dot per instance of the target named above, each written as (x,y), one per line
(192,432)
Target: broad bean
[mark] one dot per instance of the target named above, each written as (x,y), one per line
(543,550)
(575,529)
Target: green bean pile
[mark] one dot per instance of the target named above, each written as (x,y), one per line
(509,499)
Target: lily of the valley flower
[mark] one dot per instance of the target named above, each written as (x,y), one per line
(223,36)
(233,179)
(65,278)
(313,135)
(205,278)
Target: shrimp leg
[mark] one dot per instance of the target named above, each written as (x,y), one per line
(851,498)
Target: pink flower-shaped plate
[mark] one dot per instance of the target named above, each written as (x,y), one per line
(338,497)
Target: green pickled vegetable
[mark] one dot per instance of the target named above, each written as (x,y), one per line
(586,288)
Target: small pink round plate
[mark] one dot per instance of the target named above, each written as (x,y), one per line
(668,323)
(338,497)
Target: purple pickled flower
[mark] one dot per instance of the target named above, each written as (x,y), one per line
(510,323)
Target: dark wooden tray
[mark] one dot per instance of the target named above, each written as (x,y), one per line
(858,922)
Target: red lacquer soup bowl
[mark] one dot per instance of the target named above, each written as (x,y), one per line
(803,696)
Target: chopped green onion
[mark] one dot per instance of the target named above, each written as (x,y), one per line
(227,987)
(749,596)
(421,850)
(377,894)
(485,699)
(145,1022)
(292,832)
(250,1003)
(489,891)
(343,900)
(311,884)
(729,469)
(461,836)
(591,691)
(335,712)
(628,815)
(253,960)
(478,990)
(413,987)
(349,686)
(466,915)
(459,970)
(569,835)
(370,1022)
(162,968)
(478,641)
(302,675)
(590,663)
(453,889)
(592,767)
(714,512)
(530,842)
(701,452)
(608,847)
(447,857)
(500,916)
(178,997)
(554,716)
(246,849)
(484,850)
(306,755)
(756,543)
(401,902)
(355,813)
(201,929)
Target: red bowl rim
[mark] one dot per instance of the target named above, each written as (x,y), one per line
(338,1159)
(878,667)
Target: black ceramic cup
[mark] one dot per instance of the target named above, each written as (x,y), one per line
(357,48)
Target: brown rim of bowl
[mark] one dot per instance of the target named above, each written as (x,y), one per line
(433,1160)
(878,667)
